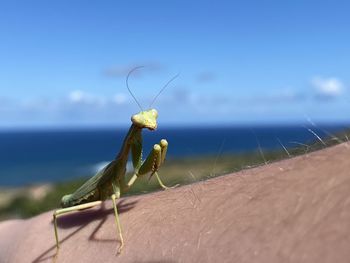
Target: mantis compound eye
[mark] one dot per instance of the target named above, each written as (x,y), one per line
(155,113)
(135,119)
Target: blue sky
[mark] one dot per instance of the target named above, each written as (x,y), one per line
(64,63)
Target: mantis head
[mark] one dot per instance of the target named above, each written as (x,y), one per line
(146,119)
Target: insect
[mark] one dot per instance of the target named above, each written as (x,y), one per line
(110,182)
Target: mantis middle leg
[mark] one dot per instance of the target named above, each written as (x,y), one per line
(116,195)
(66,210)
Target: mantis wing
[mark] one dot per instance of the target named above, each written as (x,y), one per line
(89,187)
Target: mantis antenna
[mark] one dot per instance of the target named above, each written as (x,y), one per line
(127,85)
(164,87)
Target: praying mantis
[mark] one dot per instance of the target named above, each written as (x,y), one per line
(110,182)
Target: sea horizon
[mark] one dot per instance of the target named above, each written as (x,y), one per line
(87,127)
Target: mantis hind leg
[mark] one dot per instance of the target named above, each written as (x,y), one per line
(66,210)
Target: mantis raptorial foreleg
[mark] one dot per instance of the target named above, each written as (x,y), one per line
(63,211)
(161,183)
(164,145)
(151,164)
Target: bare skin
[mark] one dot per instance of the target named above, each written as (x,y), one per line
(296,210)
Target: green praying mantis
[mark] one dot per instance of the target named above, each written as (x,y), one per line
(110,182)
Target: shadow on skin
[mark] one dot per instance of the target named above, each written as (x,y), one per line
(86,216)
(82,219)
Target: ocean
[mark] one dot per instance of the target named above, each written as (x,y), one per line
(28,157)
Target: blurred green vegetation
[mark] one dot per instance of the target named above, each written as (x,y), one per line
(182,171)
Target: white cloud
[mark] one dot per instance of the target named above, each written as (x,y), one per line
(328,87)
(119,98)
(82,97)
(76,96)
(79,97)
(181,105)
